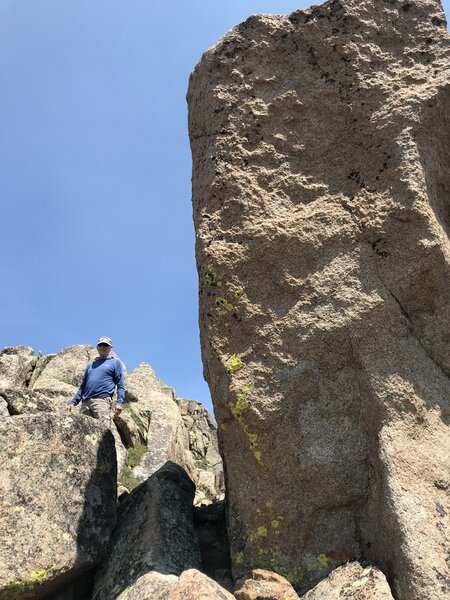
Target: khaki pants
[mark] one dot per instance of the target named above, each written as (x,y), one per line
(99,408)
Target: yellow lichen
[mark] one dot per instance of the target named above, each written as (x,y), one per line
(223,306)
(257,454)
(262,531)
(252,437)
(213,278)
(239,558)
(239,406)
(92,439)
(38,576)
(323,560)
(234,362)
(223,426)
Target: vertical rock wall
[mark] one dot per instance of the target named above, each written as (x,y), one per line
(321,188)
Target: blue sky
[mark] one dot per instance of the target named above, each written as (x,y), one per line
(95,167)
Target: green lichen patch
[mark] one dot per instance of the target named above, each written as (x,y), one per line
(239,406)
(257,454)
(20,589)
(323,560)
(223,306)
(91,438)
(234,362)
(237,410)
(213,278)
(261,531)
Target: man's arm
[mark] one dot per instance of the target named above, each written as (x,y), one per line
(119,380)
(76,399)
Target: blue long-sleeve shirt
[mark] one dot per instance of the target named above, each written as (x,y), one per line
(100,379)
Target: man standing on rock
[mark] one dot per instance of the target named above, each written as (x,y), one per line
(99,382)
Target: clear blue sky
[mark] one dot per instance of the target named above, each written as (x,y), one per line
(96,228)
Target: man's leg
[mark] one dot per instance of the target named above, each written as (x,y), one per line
(86,408)
(101,409)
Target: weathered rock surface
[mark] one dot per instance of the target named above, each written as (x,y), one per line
(264,585)
(172,429)
(354,582)
(22,401)
(16,366)
(203,446)
(320,186)
(167,439)
(155,532)
(194,585)
(191,585)
(58,502)
(64,372)
(4,412)
(152,585)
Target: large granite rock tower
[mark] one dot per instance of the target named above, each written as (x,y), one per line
(321,190)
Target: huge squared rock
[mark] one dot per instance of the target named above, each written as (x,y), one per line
(57,500)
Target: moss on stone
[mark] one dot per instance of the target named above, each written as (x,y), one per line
(21,589)
(134,455)
(127,479)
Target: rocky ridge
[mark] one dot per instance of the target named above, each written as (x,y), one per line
(62,473)
(181,430)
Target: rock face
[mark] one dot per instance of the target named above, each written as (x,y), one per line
(58,501)
(264,585)
(354,582)
(321,201)
(16,366)
(155,532)
(174,429)
(203,445)
(194,585)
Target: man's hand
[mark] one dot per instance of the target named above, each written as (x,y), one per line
(118,409)
(70,407)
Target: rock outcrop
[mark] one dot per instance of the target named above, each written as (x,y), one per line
(155,533)
(155,426)
(58,501)
(354,582)
(264,585)
(203,445)
(58,487)
(16,366)
(321,185)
